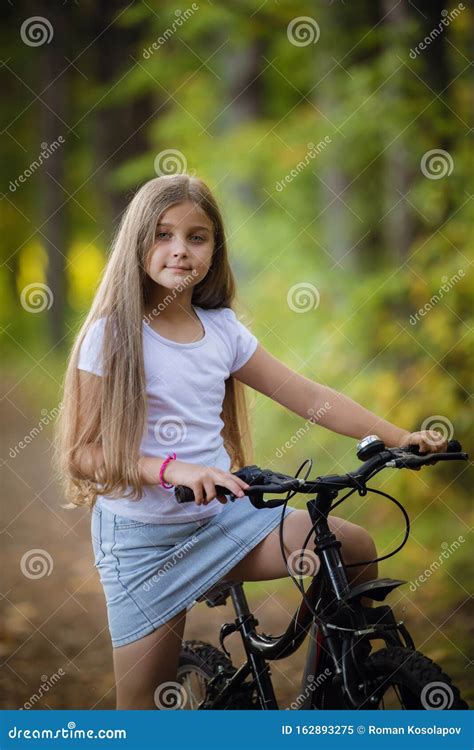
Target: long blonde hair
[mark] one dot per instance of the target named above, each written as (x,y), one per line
(116,414)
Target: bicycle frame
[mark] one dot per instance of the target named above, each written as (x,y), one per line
(341,627)
(343,603)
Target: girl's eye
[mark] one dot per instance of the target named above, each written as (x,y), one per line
(159,236)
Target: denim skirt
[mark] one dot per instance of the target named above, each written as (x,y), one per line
(152,571)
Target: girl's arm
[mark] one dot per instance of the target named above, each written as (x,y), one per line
(325,406)
(89,462)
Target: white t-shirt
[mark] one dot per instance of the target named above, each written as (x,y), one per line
(185,387)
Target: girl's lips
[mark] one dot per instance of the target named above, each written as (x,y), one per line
(177,268)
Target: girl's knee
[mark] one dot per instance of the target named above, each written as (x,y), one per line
(358,544)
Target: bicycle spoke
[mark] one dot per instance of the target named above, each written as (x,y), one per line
(194,701)
(396,691)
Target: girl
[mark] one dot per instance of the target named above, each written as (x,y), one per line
(153,398)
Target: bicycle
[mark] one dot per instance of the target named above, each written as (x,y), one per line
(341,670)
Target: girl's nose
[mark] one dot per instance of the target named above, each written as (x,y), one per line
(179,247)
(180,253)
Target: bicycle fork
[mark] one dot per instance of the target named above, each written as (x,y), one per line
(326,634)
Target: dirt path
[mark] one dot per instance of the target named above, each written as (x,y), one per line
(54,642)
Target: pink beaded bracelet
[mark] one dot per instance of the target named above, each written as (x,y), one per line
(163,467)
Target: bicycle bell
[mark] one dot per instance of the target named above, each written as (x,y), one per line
(369,446)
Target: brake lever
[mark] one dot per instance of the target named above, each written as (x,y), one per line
(411,460)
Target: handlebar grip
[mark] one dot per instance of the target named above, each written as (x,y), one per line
(454,446)
(186,495)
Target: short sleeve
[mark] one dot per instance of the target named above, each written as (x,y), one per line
(90,354)
(243,343)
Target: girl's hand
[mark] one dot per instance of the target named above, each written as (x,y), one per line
(428,441)
(202,480)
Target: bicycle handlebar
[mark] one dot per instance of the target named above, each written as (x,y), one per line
(266,481)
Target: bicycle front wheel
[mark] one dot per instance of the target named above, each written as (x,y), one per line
(400,678)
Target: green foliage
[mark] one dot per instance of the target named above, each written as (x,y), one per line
(332,225)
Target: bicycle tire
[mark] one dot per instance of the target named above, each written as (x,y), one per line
(204,662)
(417,681)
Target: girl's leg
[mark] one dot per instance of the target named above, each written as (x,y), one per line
(142,666)
(264,562)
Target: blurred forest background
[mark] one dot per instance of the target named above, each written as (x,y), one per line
(337,139)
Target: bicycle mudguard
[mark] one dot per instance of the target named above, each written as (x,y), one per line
(377,589)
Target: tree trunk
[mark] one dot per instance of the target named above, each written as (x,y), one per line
(53,200)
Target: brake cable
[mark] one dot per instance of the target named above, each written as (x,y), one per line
(290,494)
(362,491)
(405,537)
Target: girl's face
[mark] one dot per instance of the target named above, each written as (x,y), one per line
(183,247)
